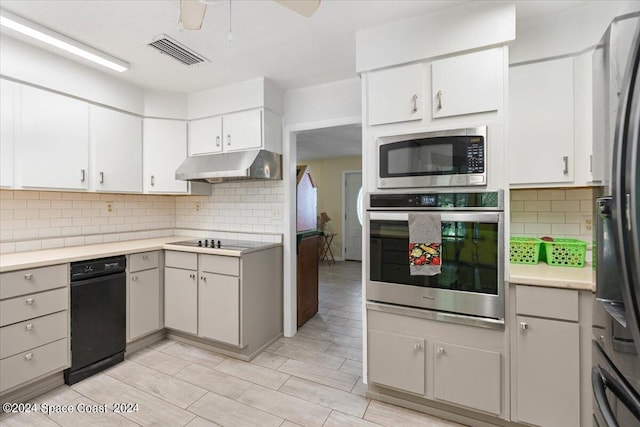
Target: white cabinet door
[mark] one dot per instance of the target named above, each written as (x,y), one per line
(397,361)
(144,312)
(54,141)
(205,136)
(164,149)
(395,95)
(547,385)
(468,377)
(7,128)
(219,308)
(467,84)
(117,150)
(242,130)
(541,122)
(181,300)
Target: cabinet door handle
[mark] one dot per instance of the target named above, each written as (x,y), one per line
(28,356)
(192,276)
(145,257)
(417,347)
(101,177)
(134,278)
(203,278)
(30,301)
(565,159)
(439,95)
(228,139)
(524,326)
(29,327)
(415,103)
(83,174)
(217,141)
(440,350)
(153,180)
(28,276)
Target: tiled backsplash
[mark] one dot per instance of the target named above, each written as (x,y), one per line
(239,208)
(564,213)
(32,220)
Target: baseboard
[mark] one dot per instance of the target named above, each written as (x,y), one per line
(147,340)
(218,348)
(34,389)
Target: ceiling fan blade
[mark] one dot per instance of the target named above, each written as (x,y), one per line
(192,14)
(303,7)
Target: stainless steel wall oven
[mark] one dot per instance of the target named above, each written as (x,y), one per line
(471,282)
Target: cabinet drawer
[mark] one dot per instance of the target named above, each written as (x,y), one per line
(220,264)
(31,364)
(547,302)
(184,260)
(22,282)
(27,307)
(33,333)
(143,261)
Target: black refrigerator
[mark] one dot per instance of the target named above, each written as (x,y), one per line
(615,372)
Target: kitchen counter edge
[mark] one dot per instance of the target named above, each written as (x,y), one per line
(545,275)
(42,258)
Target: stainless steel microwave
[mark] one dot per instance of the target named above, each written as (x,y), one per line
(451,158)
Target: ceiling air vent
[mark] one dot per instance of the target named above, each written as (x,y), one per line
(177,51)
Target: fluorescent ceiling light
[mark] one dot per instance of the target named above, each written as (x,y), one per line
(52,38)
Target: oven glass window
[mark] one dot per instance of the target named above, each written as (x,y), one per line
(469,256)
(421,159)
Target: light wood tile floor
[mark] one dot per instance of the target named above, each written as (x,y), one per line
(312,379)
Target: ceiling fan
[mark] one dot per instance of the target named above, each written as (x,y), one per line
(192,11)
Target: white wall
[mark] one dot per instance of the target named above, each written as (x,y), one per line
(165,105)
(566,32)
(39,67)
(323,102)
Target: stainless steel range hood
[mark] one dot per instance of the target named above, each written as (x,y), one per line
(249,165)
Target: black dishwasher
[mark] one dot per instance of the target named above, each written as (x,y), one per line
(98,316)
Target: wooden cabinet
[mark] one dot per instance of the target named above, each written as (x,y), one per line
(468,377)
(54,149)
(307,277)
(548,367)
(467,84)
(395,94)
(165,148)
(219,308)
(242,130)
(397,361)
(34,324)
(145,295)
(116,140)
(205,136)
(541,122)
(7,131)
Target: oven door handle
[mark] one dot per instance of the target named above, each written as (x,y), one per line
(487,217)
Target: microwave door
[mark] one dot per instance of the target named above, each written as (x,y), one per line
(626,192)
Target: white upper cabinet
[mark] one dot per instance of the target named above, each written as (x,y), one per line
(205,136)
(242,130)
(7,131)
(117,150)
(54,141)
(165,148)
(541,122)
(395,94)
(467,84)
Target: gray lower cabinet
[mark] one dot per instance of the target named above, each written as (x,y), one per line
(219,308)
(144,295)
(467,376)
(397,361)
(181,299)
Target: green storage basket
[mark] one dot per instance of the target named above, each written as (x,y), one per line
(565,252)
(524,250)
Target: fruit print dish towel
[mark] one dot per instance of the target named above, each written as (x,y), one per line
(425,238)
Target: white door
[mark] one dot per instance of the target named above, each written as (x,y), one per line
(352,224)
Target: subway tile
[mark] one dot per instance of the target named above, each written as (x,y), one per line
(25,214)
(25,234)
(542,229)
(551,195)
(517,206)
(6,195)
(537,206)
(523,195)
(52,243)
(50,195)
(552,217)
(29,245)
(580,194)
(586,206)
(7,248)
(49,232)
(524,216)
(25,195)
(74,241)
(565,206)
(6,235)
(13,204)
(564,229)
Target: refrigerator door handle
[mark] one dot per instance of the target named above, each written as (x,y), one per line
(601,380)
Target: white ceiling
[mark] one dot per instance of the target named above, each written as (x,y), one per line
(268,40)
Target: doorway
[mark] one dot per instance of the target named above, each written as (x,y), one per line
(352,208)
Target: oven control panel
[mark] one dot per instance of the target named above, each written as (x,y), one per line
(486,200)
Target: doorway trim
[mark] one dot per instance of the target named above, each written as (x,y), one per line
(343,255)
(289,153)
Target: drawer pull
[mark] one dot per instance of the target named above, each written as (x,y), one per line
(28,356)
(30,301)
(145,257)
(417,347)
(440,350)
(524,326)
(28,276)
(134,278)
(29,327)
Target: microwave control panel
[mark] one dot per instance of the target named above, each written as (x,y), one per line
(475,155)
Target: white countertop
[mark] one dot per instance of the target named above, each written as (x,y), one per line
(31,259)
(542,274)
